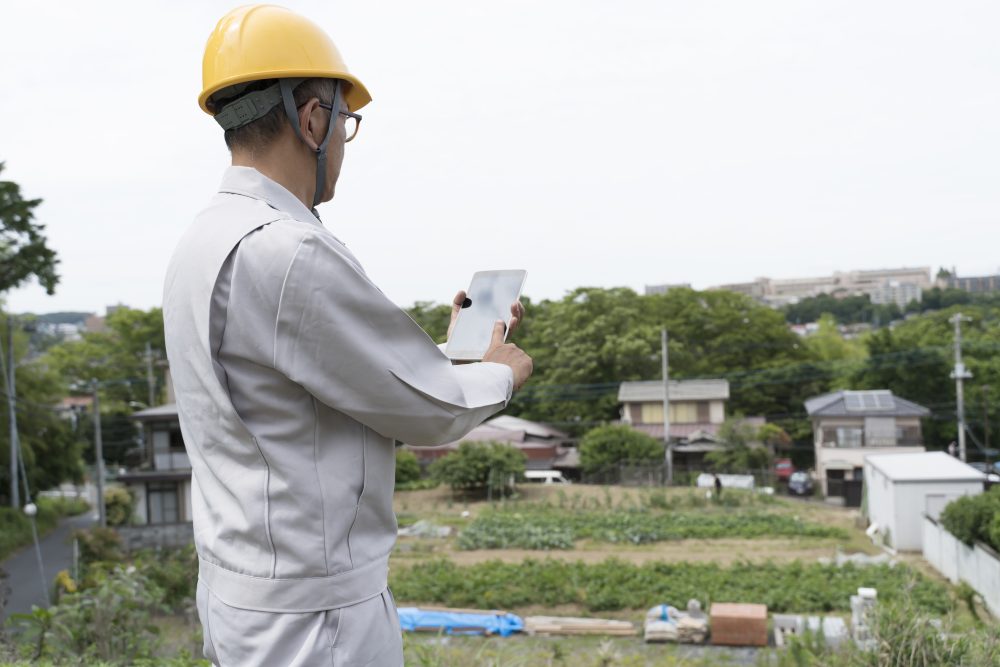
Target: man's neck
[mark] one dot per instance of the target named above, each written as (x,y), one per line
(293,180)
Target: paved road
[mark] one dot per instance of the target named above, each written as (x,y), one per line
(22,568)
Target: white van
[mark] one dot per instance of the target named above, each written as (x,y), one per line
(545,476)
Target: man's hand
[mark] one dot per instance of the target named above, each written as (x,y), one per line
(516,312)
(509,354)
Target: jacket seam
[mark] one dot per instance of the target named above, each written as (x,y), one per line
(319,484)
(267,508)
(364,487)
(281,298)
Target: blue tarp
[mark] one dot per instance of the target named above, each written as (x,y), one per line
(454,623)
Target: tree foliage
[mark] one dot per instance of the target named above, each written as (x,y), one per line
(845,310)
(613,444)
(743,447)
(116,358)
(480,467)
(914,360)
(587,343)
(407,467)
(23,249)
(50,446)
(974,519)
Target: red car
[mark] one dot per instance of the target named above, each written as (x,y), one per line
(783,469)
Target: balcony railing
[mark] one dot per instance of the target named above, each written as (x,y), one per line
(857,443)
(171,461)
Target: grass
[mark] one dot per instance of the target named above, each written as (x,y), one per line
(617,585)
(15,526)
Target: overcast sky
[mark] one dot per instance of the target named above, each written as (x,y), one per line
(590,142)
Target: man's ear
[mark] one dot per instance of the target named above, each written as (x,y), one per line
(310,122)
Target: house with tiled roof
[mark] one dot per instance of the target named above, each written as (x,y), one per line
(850,425)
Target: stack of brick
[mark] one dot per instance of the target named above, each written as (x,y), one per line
(738,624)
(862,610)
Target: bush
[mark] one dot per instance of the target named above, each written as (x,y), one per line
(973,518)
(407,467)
(99,545)
(480,466)
(119,504)
(612,444)
(110,621)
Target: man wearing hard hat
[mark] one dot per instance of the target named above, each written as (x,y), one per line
(294,374)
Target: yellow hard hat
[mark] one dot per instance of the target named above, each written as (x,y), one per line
(268,42)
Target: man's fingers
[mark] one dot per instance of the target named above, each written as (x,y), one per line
(459,299)
(498,331)
(514,321)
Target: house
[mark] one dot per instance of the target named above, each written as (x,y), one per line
(697,411)
(546,448)
(850,425)
(902,488)
(162,484)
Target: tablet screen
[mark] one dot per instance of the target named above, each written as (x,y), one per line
(492,293)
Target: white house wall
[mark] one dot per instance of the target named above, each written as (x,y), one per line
(139,515)
(717,412)
(881,501)
(910,504)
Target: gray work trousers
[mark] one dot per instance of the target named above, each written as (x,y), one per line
(365,634)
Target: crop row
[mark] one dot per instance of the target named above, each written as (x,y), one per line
(558,530)
(613,584)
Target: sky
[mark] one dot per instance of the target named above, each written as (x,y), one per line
(592,143)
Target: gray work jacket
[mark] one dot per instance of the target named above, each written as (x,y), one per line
(293,375)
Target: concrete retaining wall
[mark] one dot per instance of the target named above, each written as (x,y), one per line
(979,566)
(161,536)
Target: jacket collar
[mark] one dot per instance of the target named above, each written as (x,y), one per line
(249,182)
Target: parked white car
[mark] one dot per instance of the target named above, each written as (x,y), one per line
(545,476)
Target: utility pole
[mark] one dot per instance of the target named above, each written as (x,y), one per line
(150,381)
(15,501)
(960,374)
(99,455)
(986,421)
(667,449)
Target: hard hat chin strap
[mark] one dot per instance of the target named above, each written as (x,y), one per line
(287,86)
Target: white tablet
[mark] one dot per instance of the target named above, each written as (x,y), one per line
(490,297)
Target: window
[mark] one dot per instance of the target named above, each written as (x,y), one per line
(652,413)
(162,503)
(849,436)
(684,413)
(680,413)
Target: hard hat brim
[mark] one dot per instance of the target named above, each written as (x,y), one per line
(355,94)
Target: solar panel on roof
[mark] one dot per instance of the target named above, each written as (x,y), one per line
(853,401)
(862,401)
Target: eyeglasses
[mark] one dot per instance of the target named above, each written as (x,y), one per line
(352,123)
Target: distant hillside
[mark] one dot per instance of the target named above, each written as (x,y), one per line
(64,318)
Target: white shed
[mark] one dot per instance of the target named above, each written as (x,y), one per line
(901,488)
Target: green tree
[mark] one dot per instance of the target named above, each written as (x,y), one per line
(915,359)
(613,444)
(433,318)
(49,445)
(23,251)
(407,467)
(743,449)
(116,358)
(480,467)
(587,343)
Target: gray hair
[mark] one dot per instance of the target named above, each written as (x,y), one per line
(257,135)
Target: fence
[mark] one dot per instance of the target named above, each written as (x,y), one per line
(156,536)
(645,474)
(977,565)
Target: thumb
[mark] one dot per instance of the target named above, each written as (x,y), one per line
(498,332)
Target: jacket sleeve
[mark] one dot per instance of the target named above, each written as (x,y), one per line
(339,337)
